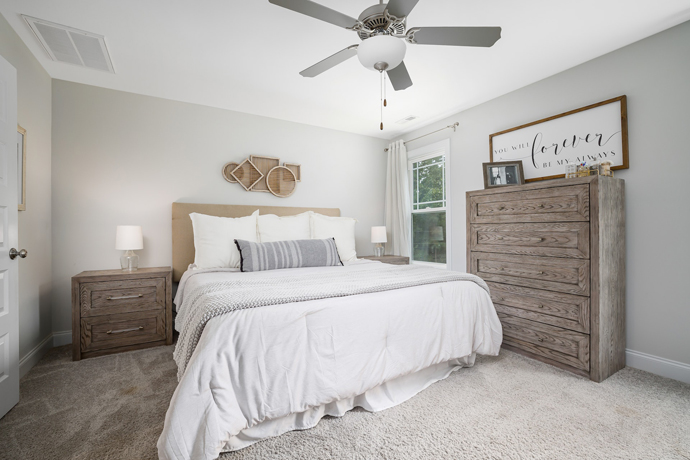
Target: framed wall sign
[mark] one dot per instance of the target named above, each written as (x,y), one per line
(21,168)
(597,132)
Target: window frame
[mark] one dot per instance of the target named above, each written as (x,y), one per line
(421,154)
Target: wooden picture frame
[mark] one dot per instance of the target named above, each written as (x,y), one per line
(21,168)
(506,173)
(296,170)
(593,128)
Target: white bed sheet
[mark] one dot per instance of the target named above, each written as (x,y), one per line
(263,371)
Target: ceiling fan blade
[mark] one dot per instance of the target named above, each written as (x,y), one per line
(317,11)
(329,62)
(456,36)
(399,77)
(400,8)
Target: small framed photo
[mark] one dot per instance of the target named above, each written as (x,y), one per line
(502,173)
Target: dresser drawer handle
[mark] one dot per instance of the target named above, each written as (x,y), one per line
(540,339)
(541,239)
(124,297)
(541,306)
(501,208)
(125,330)
(540,273)
(541,205)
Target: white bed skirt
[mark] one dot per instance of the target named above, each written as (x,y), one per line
(379,398)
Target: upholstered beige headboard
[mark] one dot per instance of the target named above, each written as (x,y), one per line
(183,234)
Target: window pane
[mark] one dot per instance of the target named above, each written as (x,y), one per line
(428,182)
(429,237)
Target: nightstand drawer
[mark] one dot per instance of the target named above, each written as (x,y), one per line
(104,332)
(113,297)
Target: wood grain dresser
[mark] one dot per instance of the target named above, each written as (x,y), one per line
(553,255)
(115,311)
(393,260)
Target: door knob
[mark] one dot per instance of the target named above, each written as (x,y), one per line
(14,253)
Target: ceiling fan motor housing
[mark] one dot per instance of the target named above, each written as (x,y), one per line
(374,18)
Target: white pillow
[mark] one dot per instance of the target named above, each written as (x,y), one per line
(340,228)
(274,228)
(214,239)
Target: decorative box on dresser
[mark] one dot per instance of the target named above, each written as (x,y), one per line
(115,311)
(553,255)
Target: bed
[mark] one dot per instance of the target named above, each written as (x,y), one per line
(309,342)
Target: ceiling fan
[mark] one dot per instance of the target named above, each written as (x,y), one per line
(383,31)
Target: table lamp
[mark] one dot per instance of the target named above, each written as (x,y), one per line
(378,237)
(129,238)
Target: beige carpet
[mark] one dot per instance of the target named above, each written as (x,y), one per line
(507,407)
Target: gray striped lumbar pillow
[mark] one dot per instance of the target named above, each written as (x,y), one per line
(255,257)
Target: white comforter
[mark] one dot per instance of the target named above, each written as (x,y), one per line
(260,366)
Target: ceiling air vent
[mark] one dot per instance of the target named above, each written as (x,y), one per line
(74,46)
(406,120)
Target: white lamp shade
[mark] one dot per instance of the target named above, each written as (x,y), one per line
(378,235)
(129,237)
(381,48)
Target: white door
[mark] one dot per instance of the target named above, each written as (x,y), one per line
(9,317)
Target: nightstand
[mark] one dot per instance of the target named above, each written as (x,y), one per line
(115,311)
(393,260)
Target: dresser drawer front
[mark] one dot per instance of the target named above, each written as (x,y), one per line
(567,347)
(567,239)
(104,332)
(562,310)
(557,204)
(113,297)
(549,273)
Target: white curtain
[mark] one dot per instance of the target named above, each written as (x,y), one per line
(397,201)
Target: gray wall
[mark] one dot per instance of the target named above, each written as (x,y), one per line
(655,75)
(34,102)
(121,158)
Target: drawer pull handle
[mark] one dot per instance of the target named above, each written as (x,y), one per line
(541,205)
(125,330)
(501,208)
(541,239)
(540,339)
(541,306)
(541,273)
(124,297)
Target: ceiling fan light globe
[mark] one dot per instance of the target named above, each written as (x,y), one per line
(381,49)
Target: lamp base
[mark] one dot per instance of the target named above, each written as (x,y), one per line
(378,250)
(129,261)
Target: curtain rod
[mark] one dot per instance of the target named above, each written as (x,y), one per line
(453,126)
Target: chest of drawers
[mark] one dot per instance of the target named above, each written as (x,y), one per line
(114,311)
(553,255)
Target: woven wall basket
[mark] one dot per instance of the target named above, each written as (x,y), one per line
(228,168)
(264,165)
(281,181)
(247,174)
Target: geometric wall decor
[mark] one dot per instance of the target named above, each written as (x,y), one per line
(227,169)
(296,169)
(281,181)
(264,165)
(247,174)
(264,174)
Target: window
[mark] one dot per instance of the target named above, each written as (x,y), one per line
(430,220)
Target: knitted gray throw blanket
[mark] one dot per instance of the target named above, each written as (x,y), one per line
(214,299)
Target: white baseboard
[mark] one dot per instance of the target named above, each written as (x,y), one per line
(659,366)
(35,355)
(62,338)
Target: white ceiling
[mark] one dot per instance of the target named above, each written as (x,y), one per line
(246,55)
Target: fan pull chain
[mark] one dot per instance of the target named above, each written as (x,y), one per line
(385,103)
(382,100)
